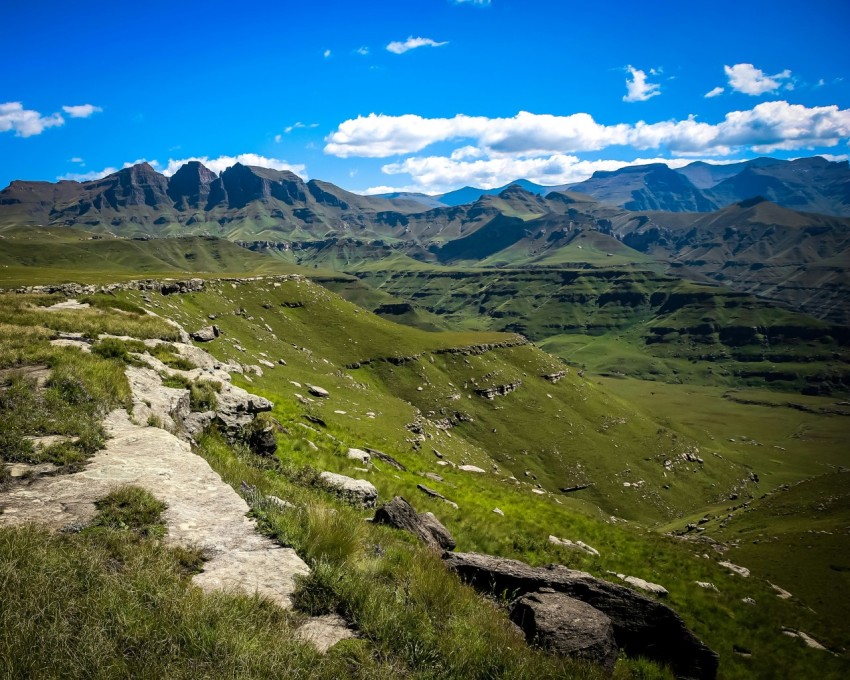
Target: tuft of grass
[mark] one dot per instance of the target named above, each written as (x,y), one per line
(131,508)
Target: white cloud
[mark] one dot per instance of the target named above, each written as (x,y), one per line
(362,51)
(714,92)
(217,165)
(412,43)
(750,80)
(767,127)
(438,174)
(326,54)
(98,174)
(298,125)
(277,138)
(477,3)
(77,159)
(81,111)
(26,122)
(638,89)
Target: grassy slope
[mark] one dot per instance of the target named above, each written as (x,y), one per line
(54,255)
(390,392)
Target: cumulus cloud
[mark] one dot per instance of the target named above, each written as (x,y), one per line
(397,47)
(82,110)
(750,80)
(438,174)
(217,165)
(362,51)
(326,54)
(714,92)
(26,122)
(637,88)
(767,127)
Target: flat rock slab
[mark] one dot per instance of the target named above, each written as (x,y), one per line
(202,509)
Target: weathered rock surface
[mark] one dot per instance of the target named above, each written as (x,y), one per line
(202,509)
(566,626)
(642,626)
(237,407)
(153,401)
(317,391)
(355,491)
(205,334)
(426,527)
(358,455)
(498,390)
(323,632)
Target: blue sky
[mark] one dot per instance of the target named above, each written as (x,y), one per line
(422,94)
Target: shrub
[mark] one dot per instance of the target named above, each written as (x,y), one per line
(132,508)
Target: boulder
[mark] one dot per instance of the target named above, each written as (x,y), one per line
(262,440)
(205,334)
(317,391)
(566,626)
(470,468)
(358,455)
(236,408)
(426,527)
(355,491)
(642,626)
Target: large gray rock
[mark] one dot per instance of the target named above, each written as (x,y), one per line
(426,527)
(566,626)
(355,491)
(205,334)
(642,626)
(236,407)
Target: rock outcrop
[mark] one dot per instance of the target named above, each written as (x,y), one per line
(566,626)
(642,626)
(355,491)
(206,334)
(425,526)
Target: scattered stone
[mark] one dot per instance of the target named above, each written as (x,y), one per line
(539,492)
(648,586)
(470,468)
(642,626)
(206,334)
(707,585)
(781,593)
(425,526)
(748,600)
(578,545)
(570,489)
(743,571)
(386,458)
(355,491)
(433,476)
(554,377)
(566,626)
(498,511)
(266,363)
(357,454)
(808,639)
(282,362)
(317,391)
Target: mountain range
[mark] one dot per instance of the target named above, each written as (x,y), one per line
(810,184)
(638,214)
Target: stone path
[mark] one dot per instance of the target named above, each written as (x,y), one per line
(202,510)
